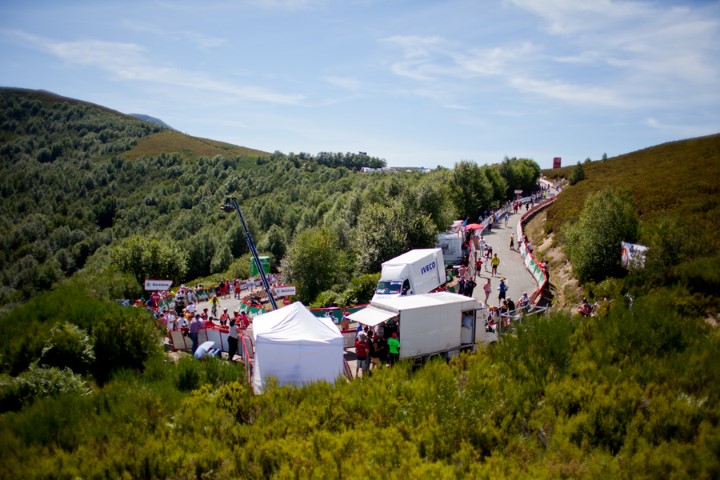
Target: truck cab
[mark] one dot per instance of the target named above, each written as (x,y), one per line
(414,272)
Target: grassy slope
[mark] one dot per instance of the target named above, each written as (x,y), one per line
(187,146)
(677,178)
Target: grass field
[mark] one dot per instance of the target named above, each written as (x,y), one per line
(186,146)
(674,179)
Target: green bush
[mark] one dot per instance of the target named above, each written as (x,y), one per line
(192,373)
(39,382)
(577,174)
(593,243)
(68,346)
(328,298)
(124,339)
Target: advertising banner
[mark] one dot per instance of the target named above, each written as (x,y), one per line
(264,261)
(632,255)
(285,291)
(157,284)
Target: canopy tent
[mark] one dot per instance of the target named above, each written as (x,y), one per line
(296,347)
(372,316)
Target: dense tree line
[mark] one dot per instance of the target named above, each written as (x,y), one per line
(72,189)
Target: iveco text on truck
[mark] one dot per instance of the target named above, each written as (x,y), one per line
(412,273)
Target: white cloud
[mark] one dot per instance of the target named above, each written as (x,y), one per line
(565,17)
(346,83)
(494,61)
(569,92)
(187,36)
(637,39)
(602,52)
(129,61)
(681,130)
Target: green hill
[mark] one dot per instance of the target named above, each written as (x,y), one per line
(86,390)
(78,179)
(679,178)
(675,188)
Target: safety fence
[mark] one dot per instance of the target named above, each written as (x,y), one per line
(531,263)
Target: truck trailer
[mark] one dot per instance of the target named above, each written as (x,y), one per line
(415,272)
(429,325)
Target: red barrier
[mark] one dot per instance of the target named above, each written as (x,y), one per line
(537,294)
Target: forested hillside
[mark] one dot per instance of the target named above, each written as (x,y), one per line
(79,179)
(93,201)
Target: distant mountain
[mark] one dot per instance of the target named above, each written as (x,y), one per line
(148,118)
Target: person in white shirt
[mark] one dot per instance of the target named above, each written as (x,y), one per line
(524,301)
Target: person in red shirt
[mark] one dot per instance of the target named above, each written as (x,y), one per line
(361,354)
(245,320)
(224,318)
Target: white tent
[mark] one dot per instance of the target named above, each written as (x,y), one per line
(296,347)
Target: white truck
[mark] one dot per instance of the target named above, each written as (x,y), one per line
(429,325)
(412,273)
(451,244)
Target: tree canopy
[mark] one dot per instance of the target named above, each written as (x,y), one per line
(593,243)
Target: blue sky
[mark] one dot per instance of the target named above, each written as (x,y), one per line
(418,83)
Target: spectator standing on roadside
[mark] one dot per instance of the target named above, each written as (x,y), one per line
(232,340)
(224,317)
(194,331)
(394,348)
(495,262)
(546,267)
(362,350)
(245,320)
(503,290)
(379,352)
(469,288)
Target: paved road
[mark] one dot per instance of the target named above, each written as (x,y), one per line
(511,265)
(511,268)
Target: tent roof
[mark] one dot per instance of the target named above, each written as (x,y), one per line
(294,324)
(372,316)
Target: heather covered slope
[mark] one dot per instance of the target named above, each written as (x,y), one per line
(678,178)
(675,189)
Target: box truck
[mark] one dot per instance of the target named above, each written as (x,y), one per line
(451,243)
(412,273)
(430,325)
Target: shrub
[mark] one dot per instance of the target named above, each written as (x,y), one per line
(577,174)
(68,346)
(124,338)
(38,382)
(593,243)
(193,374)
